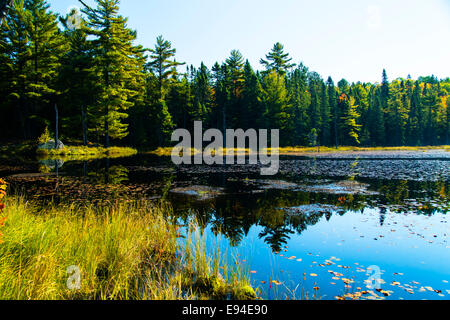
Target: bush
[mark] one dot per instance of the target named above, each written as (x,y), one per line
(45,136)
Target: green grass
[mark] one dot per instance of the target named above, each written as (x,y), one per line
(287,150)
(124,251)
(84,153)
(167,151)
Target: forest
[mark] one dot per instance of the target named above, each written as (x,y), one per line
(107,89)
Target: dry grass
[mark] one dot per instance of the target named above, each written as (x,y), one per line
(125,251)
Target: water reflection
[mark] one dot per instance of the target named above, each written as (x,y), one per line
(379,219)
(243,202)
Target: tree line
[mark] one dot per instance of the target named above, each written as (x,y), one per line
(107,88)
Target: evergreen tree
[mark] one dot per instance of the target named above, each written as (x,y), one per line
(15,68)
(119,65)
(163,63)
(202,94)
(332,98)
(252,108)
(276,101)
(77,80)
(277,60)
(349,127)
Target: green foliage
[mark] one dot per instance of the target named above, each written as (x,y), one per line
(277,60)
(45,136)
(118,64)
(106,88)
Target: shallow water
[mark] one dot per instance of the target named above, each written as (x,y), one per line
(322,227)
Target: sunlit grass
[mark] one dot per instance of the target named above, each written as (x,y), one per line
(124,251)
(167,151)
(288,150)
(85,153)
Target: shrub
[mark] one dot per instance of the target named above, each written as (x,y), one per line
(45,136)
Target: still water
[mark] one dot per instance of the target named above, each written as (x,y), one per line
(359,227)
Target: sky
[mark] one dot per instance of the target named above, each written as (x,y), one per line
(351,39)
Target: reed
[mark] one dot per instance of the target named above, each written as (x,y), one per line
(120,252)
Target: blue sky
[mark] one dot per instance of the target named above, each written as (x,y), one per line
(351,39)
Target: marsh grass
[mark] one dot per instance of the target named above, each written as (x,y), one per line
(167,151)
(84,153)
(214,273)
(123,251)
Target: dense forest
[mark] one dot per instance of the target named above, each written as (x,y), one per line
(107,89)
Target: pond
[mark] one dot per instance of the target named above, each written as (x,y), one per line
(365,226)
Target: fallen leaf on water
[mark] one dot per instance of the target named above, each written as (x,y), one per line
(313,275)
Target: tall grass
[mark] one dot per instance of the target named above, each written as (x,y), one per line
(125,251)
(214,274)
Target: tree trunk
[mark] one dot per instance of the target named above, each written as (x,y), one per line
(84,125)
(107,110)
(56,127)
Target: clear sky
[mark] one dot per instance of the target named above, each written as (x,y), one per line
(351,39)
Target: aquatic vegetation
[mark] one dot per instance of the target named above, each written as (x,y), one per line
(124,251)
(199,192)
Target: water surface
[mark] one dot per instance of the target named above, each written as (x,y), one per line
(321,228)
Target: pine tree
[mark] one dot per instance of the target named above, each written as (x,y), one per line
(349,127)
(235,67)
(202,94)
(119,65)
(47,45)
(252,108)
(34,44)
(300,100)
(275,99)
(77,80)
(163,63)
(277,60)
(16,57)
(332,98)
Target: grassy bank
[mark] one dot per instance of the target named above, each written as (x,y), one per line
(167,151)
(83,152)
(126,251)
